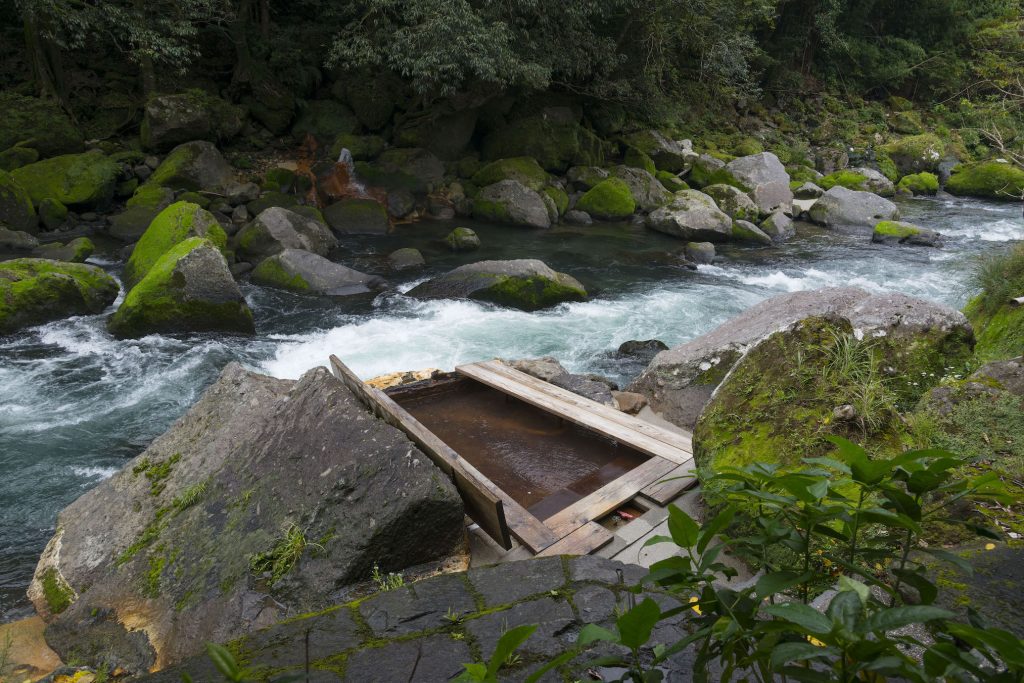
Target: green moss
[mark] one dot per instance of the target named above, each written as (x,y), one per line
(173,225)
(851,180)
(887,166)
(610,199)
(492,211)
(271,198)
(57,593)
(156,304)
(559,197)
(281,558)
(670,181)
(16,209)
(530,293)
(462,239)
(990,179)
(748,146)
(279,179)
(156,472)
(151,585)
(638,159)
(702,175)
(150,533)
(85,181)
(998,323)
(895,229)
(524,169)
(36,123)
(919,183)
(35,291)
(271,273)
(16,157)
(556,145)
(800,174)
(362,147)
(173,170)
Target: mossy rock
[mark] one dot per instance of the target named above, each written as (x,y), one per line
(801,174)
(358,217)
(462,239)
(559,197)
(748,146)
(173,119)
(611,199)
(52,213)
(16,209)
(75,251)
(139,212)
(919,183)
(887,166)
(325,120)
(670,181)
(188,289)
(851,180)
(37,123)
(36,291)
(709,170)
(526,284)
(362,147)
(16,157)
(413,169)
(999,332)
(269,199)
(989,179)
(79,181)
(915,153)
(524,169)
(175,224)
(556,145)
(638,159)
(906,122)
(278,179)
(196,165)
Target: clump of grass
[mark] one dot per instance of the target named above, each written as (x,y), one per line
(852,366)
(386,582)
(190,496)
(285,554)
(999,277)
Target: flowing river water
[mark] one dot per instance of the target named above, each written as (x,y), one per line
(77,404)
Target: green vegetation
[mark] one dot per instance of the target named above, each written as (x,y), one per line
(57,593)
(280,559)
(998,322)
(919,183)
(156,472)
(610,199)
(524,169)
(530,293)
(386,582)
(848,179)
(173,225)
(35,291)
(991,179)
(895,229)
(190,496)
(82,181)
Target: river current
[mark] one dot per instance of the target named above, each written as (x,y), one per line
(76,404)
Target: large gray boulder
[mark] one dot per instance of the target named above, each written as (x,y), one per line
(679,382)
(648,193)
(170,120)
(694,216)
(196,165)
(875,182)
(526,284)
(16,240)
(734,202)
(16,210)
(263,502)
(851,210)
(358,216)
(512,203)
(277,229)
(34,291)
(307,273)
(668,155)
(765,179)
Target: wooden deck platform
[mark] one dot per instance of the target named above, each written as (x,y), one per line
(575,529)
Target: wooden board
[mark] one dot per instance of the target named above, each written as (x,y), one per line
(608,497)
(643,436)
(583,541)
(490,507)
(668,488)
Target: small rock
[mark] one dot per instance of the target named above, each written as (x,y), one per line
(845,412)
(808,191)
(577,217)
(240,214)
(152,161)
(16,240)
(545,368)
(404,259)
(142,172)
(462,239)
(240,268)
(778,226)
(700,252)
(401,202)
(242,193)
(629,402)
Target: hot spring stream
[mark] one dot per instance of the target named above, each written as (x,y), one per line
(77,404)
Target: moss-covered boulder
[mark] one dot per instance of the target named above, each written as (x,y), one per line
(707,170)
(556,144)
(16,157)
(900,232)
(307,273)
(647,192)
(188,289)
(253,508)
(511,203)
(170,120)
(361,147)
(526,170)
(583,178)
(271,199)
(196,165)
(915,153)
(745,231)
(177,223)
(358,217)
(16,240)
(79,181)
(16,209)
(635,158)
(35,291)
(989,179)
(52,213)
(462,239)
(610,200)
(139,211)
(671,181)
(558,197)
(276,229)
(734,202)
(692,216)
(667,154)
(75,251)
(997,317)
(852,211)
(325,120)
(37,124)
(414,169)
(923,183)
(526,284)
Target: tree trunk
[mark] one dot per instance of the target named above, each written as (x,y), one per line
(239,38)
(265,19)
(38,58)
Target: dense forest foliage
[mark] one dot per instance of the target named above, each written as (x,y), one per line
(651,55)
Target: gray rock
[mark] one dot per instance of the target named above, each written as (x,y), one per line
(358,217)
(16,209)
(876,182)
(808,191)
(734,202)
(75,251)
(462,239)
(512,203)
(545,368)
(526,284)
(577,217)
(1007,374)
(586,387)
(700,252)
(745,231)
(240,214)
(401,202)
(277,229)
(679,382)
(765,179)
(646,349)
(778,226)
(851,210)
(169,120)
(899,232)
(647,192)
(668,155)
(308,273)
(196,165)
(16,240)
(692,215)
(584,178)
(255,462)
(241,193)
(406,258)
(142,172)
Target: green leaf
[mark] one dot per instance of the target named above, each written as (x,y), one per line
(925,588)
(711,529)
(635,626)
(845,609)
(849,584)
(224,661)
(682,527)
(784,653)
(553,664)
(655,540)
(776,582)
(801,615)
(1009,647)
(507,644)
(898,617)
(473,673)
(591,633)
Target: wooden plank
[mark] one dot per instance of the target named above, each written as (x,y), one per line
(683,442)
(583,541)
(479,493)
(608,497)
(633,435)
(669,487)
